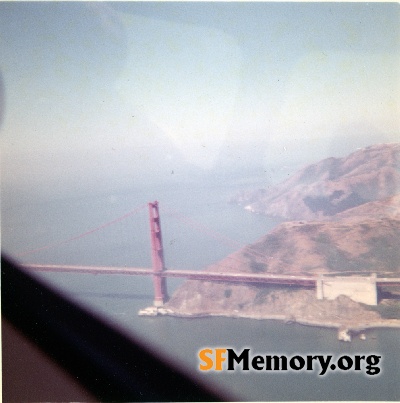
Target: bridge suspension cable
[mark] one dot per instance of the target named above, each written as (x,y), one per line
(84,234)
(190,222)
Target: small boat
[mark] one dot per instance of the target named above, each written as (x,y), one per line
(344,335)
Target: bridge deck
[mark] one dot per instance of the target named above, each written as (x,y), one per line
(305,281)
(189,274)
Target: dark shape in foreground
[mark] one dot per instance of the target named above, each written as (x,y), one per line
(109,365)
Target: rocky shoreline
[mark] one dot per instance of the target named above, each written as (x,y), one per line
(384,323)
(359,327)
(344,333)
(323,316)
(202,299)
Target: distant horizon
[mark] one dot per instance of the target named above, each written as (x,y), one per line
(253,178)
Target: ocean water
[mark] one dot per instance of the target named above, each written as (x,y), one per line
(199,228)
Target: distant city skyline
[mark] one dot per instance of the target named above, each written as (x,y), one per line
(109,94)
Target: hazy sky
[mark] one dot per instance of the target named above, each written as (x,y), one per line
(104,95)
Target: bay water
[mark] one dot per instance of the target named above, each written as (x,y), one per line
(199,228)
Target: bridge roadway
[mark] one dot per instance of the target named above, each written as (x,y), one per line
(284,279)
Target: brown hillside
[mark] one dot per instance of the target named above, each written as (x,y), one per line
(362,244)
(352,244)
(349,245)
(389,207)
(330,186)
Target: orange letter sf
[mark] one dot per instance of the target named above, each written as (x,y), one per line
(205,356)
(208,362)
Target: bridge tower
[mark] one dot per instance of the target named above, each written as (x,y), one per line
(157,254)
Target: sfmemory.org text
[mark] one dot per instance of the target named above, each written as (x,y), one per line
(227,359)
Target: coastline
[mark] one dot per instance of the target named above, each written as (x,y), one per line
(356,327)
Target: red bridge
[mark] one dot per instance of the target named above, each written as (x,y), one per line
(160,273)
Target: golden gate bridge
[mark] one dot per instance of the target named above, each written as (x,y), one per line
(160,273)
